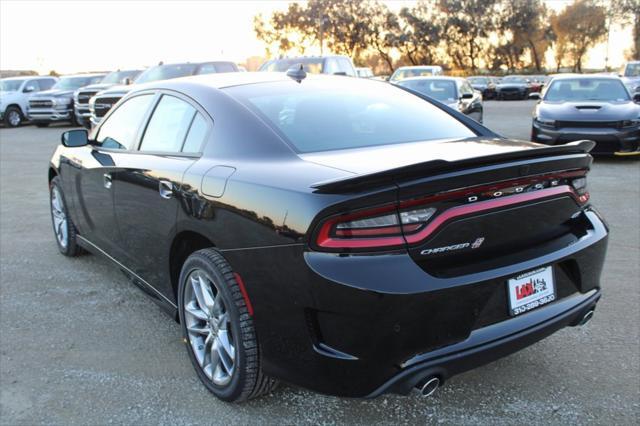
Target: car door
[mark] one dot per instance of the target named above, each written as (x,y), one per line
(87,172)
(147,185)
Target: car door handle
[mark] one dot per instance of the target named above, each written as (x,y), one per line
(107,180)
(165,188)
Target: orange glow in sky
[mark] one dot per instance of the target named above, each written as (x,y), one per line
(71,36)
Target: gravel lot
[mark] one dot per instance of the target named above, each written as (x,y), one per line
(79,344)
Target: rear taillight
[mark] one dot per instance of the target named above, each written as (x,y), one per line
(411,221)
(579,185)
(381,227)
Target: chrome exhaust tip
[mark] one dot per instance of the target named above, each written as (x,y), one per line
(429,386)
(586,318)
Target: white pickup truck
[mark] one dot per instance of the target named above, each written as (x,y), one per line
(15,93)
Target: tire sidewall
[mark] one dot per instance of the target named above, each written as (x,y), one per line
(55,183)
(234,388)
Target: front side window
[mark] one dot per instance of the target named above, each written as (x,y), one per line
(344,66)
(632,70)
(46,83)
(168,125)
(354,113)
(120,129)
(32,86)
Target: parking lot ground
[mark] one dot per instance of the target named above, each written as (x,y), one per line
(80,345)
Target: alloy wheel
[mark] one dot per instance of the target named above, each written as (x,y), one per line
(209,328)
(13,117)
(59,216)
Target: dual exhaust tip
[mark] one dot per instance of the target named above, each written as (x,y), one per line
(586,318)
(428,386)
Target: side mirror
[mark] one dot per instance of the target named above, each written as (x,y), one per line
(534,95)
(127,81)
(75,138)
(466,96)
(636,97)
(29,89)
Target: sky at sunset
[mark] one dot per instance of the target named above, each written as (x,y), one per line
(70,36)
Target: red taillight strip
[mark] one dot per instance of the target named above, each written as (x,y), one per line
(480,206)
(326,241)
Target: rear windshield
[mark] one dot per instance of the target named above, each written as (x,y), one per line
(321,115)
(442,90)
(586,89)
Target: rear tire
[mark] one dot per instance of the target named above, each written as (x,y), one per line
(218,330)
(63,228)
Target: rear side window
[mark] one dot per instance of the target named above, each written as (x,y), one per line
(168,125)
(351,113)
(121,127)
(196,135)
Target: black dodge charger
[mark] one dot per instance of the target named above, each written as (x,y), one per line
(594,107)
(341,234)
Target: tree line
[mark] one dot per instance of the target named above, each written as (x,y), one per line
(465,35)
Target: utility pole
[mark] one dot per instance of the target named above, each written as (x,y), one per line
(606,56)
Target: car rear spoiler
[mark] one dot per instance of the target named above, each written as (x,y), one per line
(429,168)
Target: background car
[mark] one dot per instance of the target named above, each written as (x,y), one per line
(334,64)
(513,87)
(101,102)
(82,96)
(594,107)
(364,72)
(484,84)
(56,105)
(455,92)
(631,75)
(415,71)
(14,96)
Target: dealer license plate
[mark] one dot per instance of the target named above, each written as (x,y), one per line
(531,290)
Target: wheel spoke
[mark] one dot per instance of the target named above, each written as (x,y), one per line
(199,329)
(194,311)
(203,293)
(226,344)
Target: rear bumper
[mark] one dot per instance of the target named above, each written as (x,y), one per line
(359,325)
(608,141)
(491,343)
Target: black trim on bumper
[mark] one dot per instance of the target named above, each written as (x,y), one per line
(489,344)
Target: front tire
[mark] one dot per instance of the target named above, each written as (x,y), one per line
(63,228)
(218,330)
(13,117)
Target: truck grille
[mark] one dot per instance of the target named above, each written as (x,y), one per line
(83,97)
(103,105)
(40,103)
(590,124)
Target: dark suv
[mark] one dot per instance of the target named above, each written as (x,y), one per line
(338,65)
(102,102)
